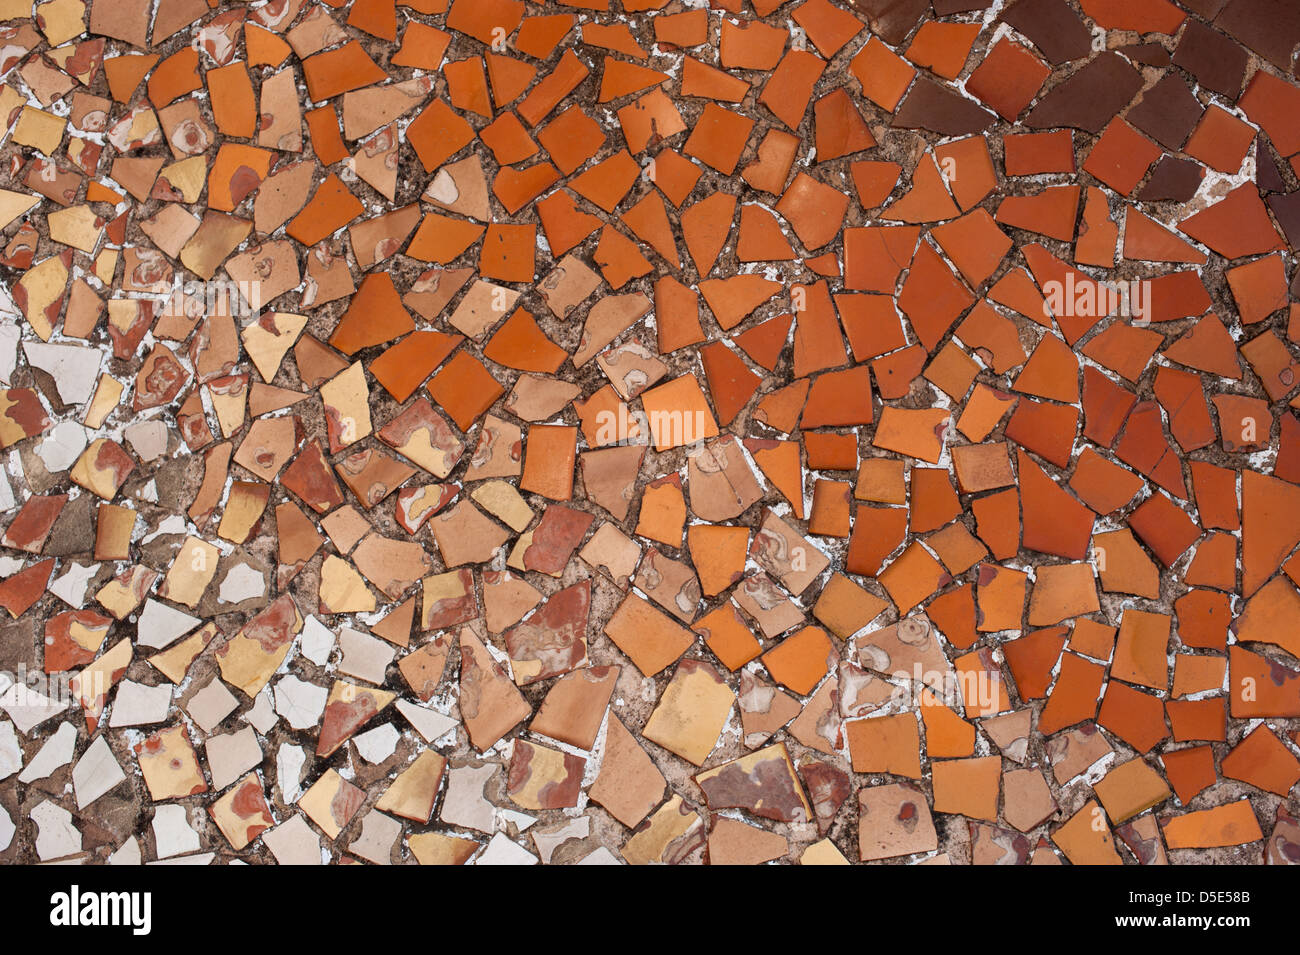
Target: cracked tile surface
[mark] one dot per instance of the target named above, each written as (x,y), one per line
(489,432)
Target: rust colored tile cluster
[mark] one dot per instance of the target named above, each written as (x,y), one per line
(471,431)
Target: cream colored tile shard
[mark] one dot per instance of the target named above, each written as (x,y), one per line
(343,589)
(503,502)
(269,338)
(14,204)
(77,226)
(191,571)
(482,307)
(251,656)
(412,793)
(613,553)
(331,802)
(692,712)
(169,766)
(670,836)
(823,853)
(40,130)
(42,288)
(347,407)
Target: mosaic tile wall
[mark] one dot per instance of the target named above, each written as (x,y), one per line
(623,432)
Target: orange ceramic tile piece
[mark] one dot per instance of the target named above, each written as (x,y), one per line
(674,176)
(548,93)
(682,30)
(465,389)
(1220,140)
(830,451)
(549,460)
(800,660)
(885,744)
(884,75)
(1032,154)
(1231,824)
(877,533)
(975,244)
(331,207)
(375,315)
(323,127)
(423,46)
(1050,212)
(718,138)
(840,129)
(438,133)
(1197,719)
(770,170)
(1191,771)
(337,71)
(814,210)
(1008,79)
(790,86)
(943,47)
(538,36)
(751,44)
(1121,157)
(726,635)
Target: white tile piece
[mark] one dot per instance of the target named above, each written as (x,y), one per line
(465,805)
(294,842)
(364,657)
(172,833)
(95,773)
(25,706)
(601,856)
(161,625)
(9,335)
(316,641)
(198,858)
(501,850)
(289,760)
(552,837)
(262,715)
(61,446)
(148,439)
(72,584)
(212,704)
(242,582)
(128,853)
(232,755)
(429,723)
(11,753)
(56,753)
(513,817)
(74,368)
(56,836)
(7,829)
(300,703)
(379,833)
(378,744)
(139,705)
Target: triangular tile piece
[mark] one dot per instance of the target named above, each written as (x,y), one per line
(780,461)
(396,626)
(765,342)
(731,383)
(705,227)
(1148,241)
